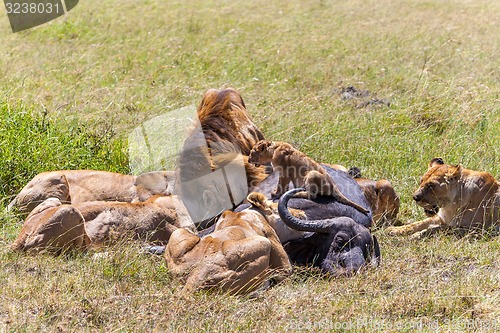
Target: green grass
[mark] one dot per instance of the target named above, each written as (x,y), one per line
(31,143)
(73,89)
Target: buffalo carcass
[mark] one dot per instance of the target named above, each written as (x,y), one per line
(338,245)
(324,207)
(321,247)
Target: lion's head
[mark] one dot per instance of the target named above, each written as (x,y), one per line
(438,186)
(224,118)
(213,169)
(261,153)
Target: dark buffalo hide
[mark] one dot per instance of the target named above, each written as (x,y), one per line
(324,207)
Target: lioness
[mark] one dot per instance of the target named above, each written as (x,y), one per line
(456,197)
(153,220)
(73,186)
(53,226)
(238,257)
(294,166)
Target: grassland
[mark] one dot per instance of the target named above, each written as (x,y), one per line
(428,85)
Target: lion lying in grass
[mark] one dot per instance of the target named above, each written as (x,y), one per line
(240,254)
(455,197)
(55,227)
(52,227)
(74,186)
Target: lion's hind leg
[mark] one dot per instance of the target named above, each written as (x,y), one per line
(240,267)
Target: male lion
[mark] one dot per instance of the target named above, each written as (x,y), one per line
(455,197)
(213,173)
(294,166)
(227,130)
(238,257)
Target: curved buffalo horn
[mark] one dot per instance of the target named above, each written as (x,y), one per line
(376,252)
(320,226)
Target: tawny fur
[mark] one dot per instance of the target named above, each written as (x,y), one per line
(153,220)
(238,257)
(383,199)
(270,209)
(55,226)
(52,227)
(74,186)
(336,167)
(227,129)
(294,166)
(457,196)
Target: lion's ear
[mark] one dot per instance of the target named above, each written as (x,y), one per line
(259,201)
(453,172)
(436,161)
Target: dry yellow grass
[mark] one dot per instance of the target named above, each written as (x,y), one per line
(429,72)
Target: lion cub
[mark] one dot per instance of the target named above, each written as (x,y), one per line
(294,166)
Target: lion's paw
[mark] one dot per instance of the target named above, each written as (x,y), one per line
(398,231)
